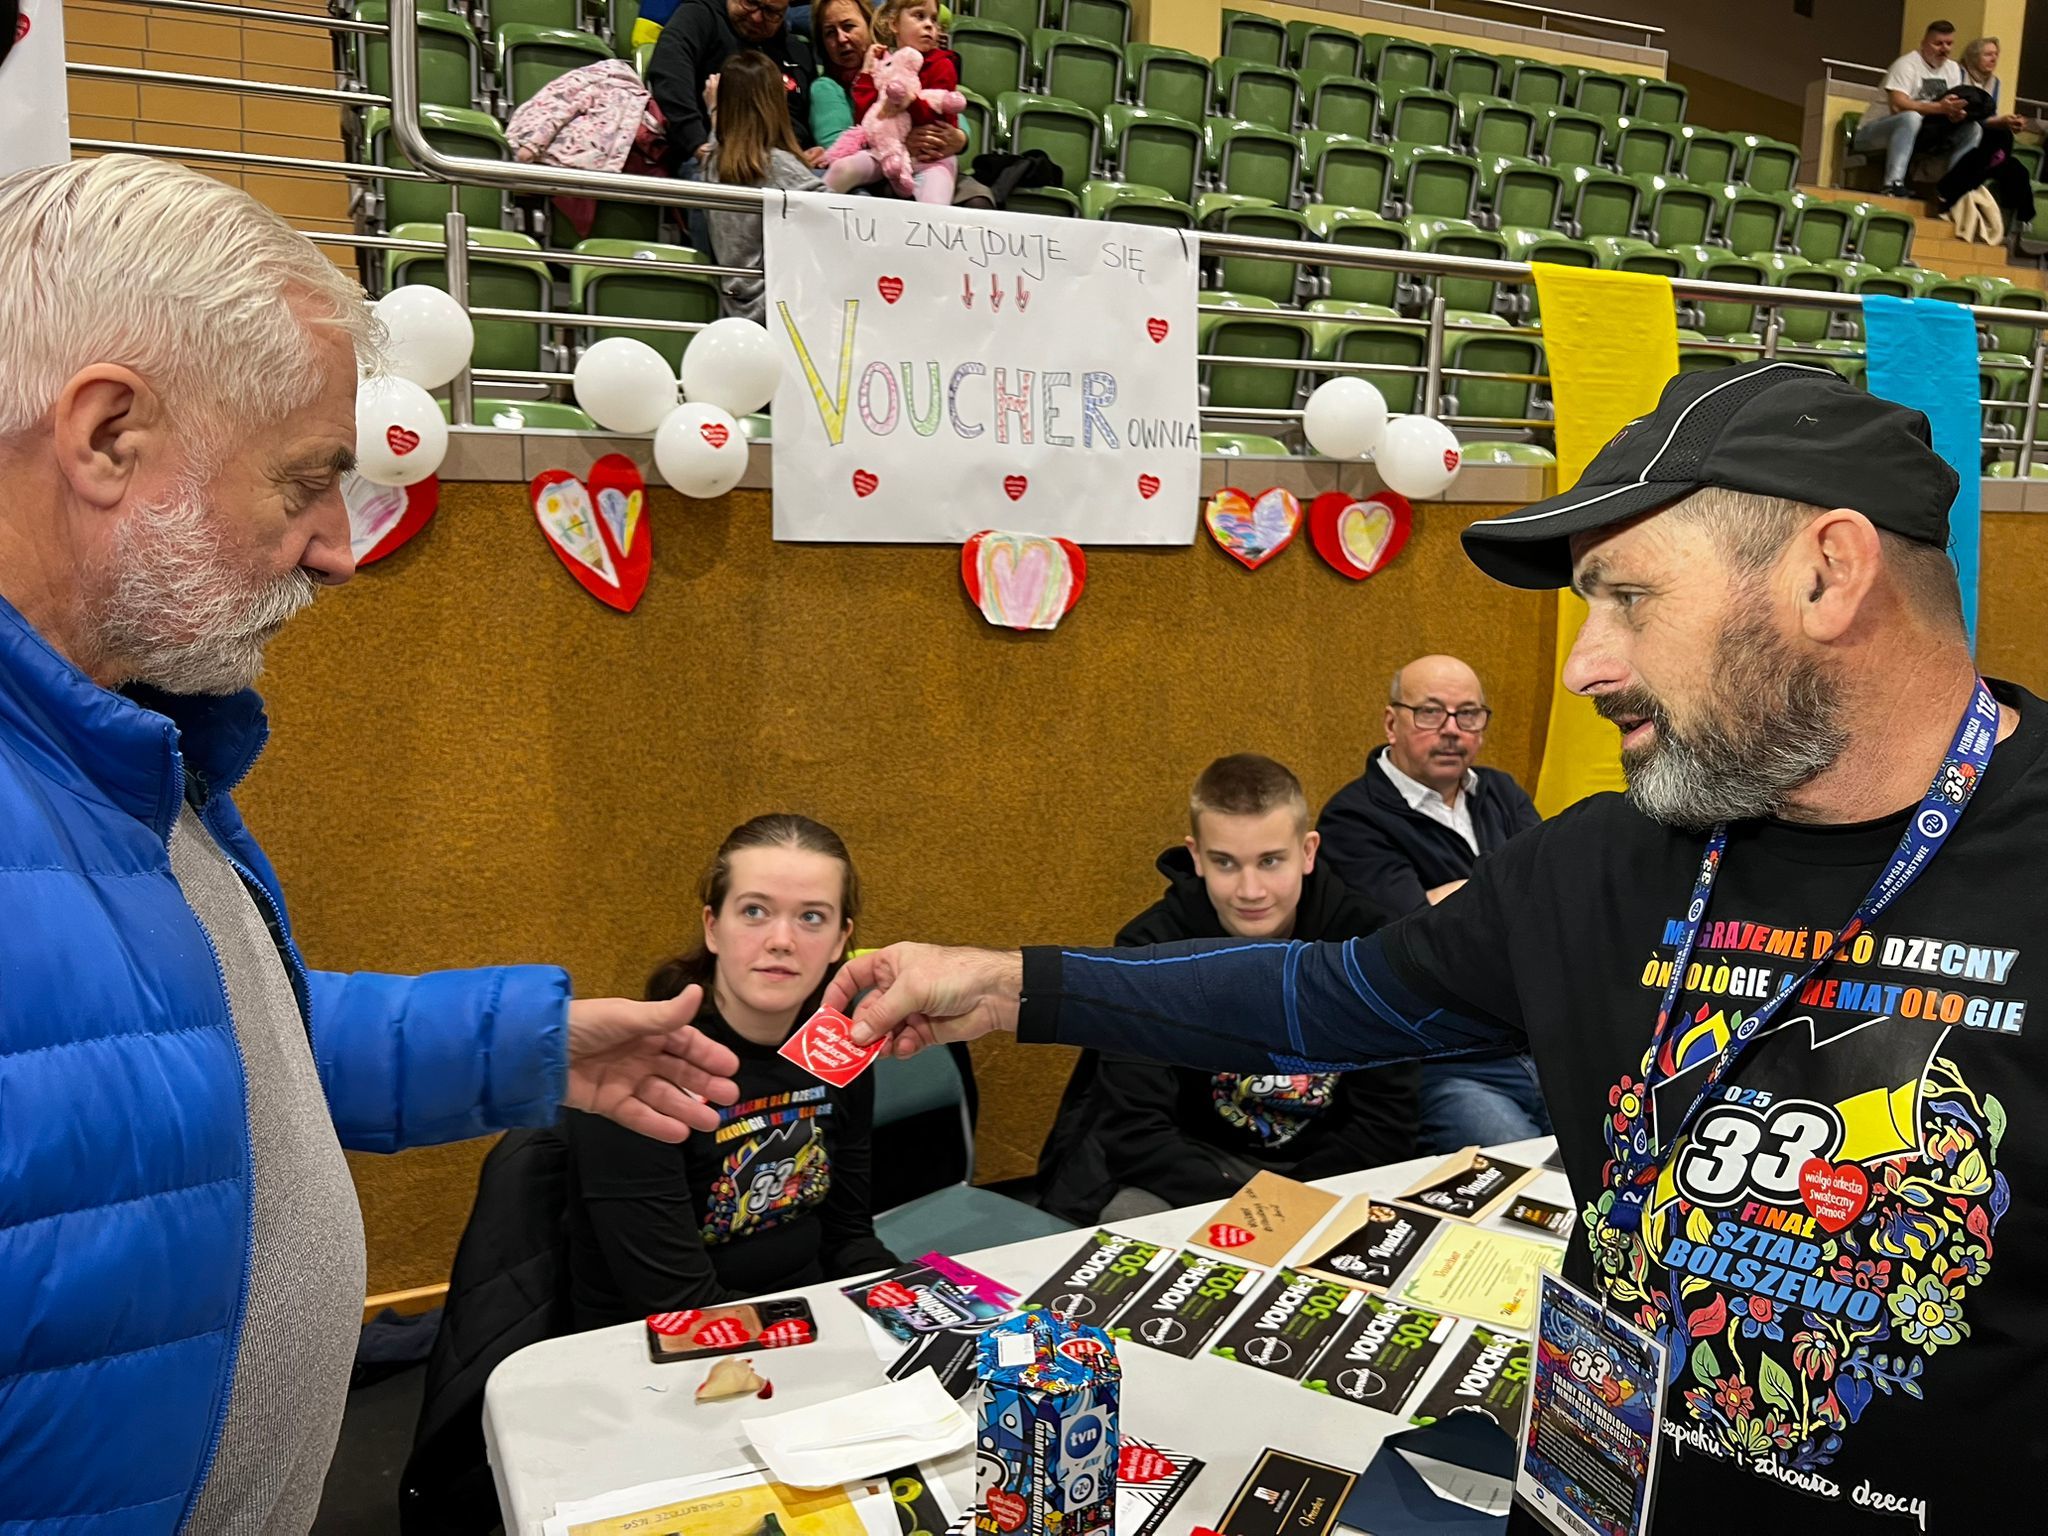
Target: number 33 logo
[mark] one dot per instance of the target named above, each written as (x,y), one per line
(1735,1150)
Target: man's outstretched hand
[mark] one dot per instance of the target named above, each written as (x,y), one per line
(647,1066)
(921,994)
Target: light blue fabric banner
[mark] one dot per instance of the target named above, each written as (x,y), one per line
(1923,353)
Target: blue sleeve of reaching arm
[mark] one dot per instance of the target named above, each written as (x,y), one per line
(1224,1007)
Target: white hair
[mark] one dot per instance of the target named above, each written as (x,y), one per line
(193,284)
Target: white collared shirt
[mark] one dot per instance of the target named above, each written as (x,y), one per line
(1421,797)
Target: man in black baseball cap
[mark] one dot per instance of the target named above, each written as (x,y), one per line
(1801,1123)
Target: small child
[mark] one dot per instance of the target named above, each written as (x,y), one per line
(905,24)
(753,145)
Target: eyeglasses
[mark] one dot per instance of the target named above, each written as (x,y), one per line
(1431,717)
(765,12)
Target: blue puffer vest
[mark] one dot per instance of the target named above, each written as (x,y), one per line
(125,1192)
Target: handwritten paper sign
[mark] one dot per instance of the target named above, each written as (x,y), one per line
(947,370)
(35,118)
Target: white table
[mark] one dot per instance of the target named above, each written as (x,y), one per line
(578,1416)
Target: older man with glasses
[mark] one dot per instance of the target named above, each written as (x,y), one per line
(1405,834)
(694,45)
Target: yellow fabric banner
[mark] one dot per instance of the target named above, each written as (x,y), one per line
(1612,343)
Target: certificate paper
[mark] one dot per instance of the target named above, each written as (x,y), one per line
(1484,1275)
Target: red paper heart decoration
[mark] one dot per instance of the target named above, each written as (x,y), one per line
(1227,1235)
(890,288)
(1023,580)
(791,1330)
(599,530)
(864,483)
(1148,486)
(1359,538)
(1252,531)
(382,517)
(401,441)
(1014,486)
(21,26)
(1008,1508)
(673,1324)
(1835,1192)
(1156,328)
(1137,1463)
(890,1294)
(724,1331)
(1083,1351)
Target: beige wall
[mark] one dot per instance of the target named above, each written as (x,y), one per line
(2005,20)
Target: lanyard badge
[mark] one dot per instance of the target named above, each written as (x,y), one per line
(1633,1172)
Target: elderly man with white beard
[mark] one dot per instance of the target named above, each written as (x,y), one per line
(181,1254)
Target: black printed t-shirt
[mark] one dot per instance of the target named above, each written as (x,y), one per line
(1846,1254)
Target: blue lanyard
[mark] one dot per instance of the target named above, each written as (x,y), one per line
(1633,1173)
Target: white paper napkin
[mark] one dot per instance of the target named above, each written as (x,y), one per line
(864,1435)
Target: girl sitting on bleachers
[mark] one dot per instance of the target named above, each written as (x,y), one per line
(752,145)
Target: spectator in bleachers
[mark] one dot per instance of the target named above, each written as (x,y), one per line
(1134,1136)
(597,118)
(1917,113)
(695,45)
(754,147)
(1990,164)
(842,31)
(902,24)
(1406,834)
(778,1196)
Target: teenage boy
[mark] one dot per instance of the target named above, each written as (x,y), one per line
(1134,1137)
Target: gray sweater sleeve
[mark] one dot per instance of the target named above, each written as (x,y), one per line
(736,237)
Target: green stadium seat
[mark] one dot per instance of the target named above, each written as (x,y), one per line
(1394,353)
(620,19)
(994,58)
(1624,253)
(1315,49)
(1418,115)
(1600,202)
(450,62)
(536,13)
(1639,146)
(1520,192)
(1535,83)
(517,279)
(1071,136)
(1489,125)
(1107,21)
(459,131)
(1505,455)
(1353,226)
(1821,228)
(610,219)
(1252,335)
(527,416)
(1707,157)
(1675,213)
(1266,276)
(1242,445)
(1167,80)
(1482,351)
(529,57)
(1050,202)
(1466,71)
(1658,101)
(1882,236)
(978,122)
(1258,39)
(1340,104)
(1753,223)
(1084,70)
(1800,326)
(1341,168)
(2029,158)
(1154,149)
(1267,94)
(1021,16)
(1601,94)
(2013,335)
(1877,280)
(2008,469)
(1566,136)
(1696,354)
(1456,237)
(1918,279)
(1534,245)
(1955,290)
(1769,165)
(1718,264)
(1853,275)
(661,286)
(1253,160)
(1436,183)
(1845,357)
(1400,61)
(1128,202)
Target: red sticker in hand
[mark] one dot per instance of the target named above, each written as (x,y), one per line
(725,1331)
(1227,1235)
(1835,1193)
(674,1324)
(824,1048)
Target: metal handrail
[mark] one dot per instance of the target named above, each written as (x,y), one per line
(227,83)
(1545,12)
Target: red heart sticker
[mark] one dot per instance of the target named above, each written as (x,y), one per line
(401,442)
(599,528)
(824,1048)
(890,288)
(1148,486)
(1084,1351)
(674,1324)
(791,1330)
(1451,460)
(1227,1235)
(716,433)
(1008,1508)
(721,1332)
(864,483)
(1141,1464)
(1835,1193)
(1156,328)
(890,1294)
(1014,486)
(1359,538)
(21,26)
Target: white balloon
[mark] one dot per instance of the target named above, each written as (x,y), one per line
(401,437)
(700,450)
(731,364)
(431,335)
(1345,419)
(1419,456)
(625,385)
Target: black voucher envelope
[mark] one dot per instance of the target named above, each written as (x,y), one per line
(1287,1496)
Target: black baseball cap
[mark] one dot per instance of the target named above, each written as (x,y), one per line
(1770,428)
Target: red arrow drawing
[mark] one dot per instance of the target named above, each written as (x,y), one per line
(967,289)
(1023,293)
(995,291)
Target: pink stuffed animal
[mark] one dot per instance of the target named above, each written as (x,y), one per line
(898,83)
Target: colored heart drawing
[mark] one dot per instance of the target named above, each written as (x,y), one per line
(864,483)
(1023,580)
(1253,532)
(1156,328)
(1835,1192)
(1227,1235)
(890,288)
(1014,486)
(600,529)
(716,433)
(382,517)
(1356,538)
(1148,486)
(400,440)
